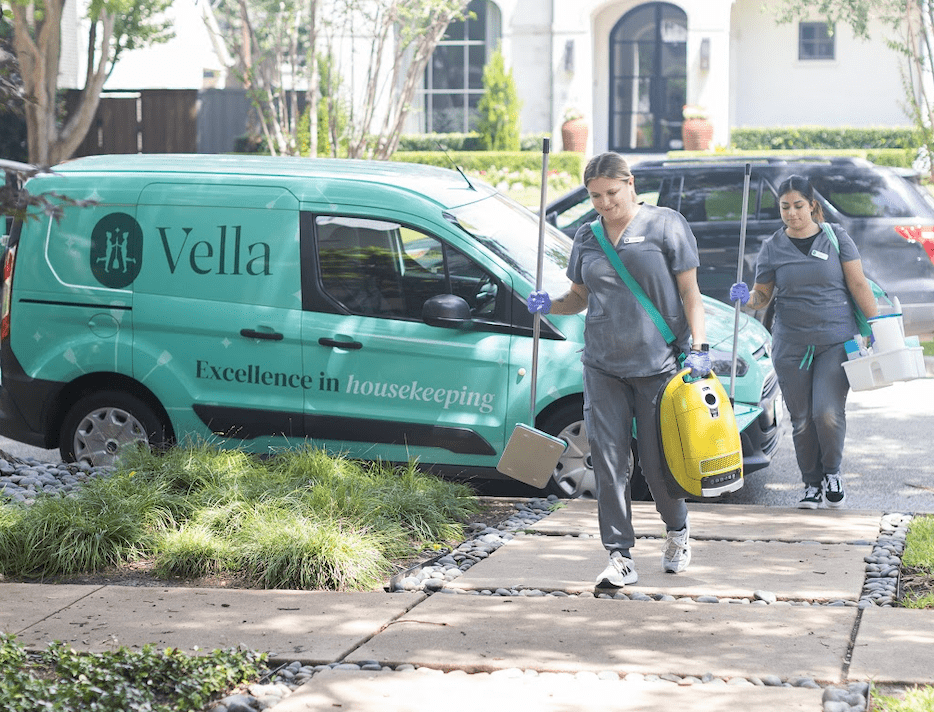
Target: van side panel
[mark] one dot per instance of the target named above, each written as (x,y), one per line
(73,311)
(217,310)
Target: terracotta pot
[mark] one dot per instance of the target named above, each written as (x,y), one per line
(574,135)
(697,134)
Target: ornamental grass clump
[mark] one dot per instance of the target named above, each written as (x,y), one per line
(301,519)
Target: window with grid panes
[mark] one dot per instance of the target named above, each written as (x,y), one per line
(454,75)
(815,41)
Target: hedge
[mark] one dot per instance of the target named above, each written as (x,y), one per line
(461,142)
(897,157)
(562,161)
(815,137)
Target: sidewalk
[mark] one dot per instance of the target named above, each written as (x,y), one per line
(553,652)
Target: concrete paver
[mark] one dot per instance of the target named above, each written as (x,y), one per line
(23,604)
(420,691)
(894,645)
(485,633)
(719,568)
(726,521)
(314,626)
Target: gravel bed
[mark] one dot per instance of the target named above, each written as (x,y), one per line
(21,480)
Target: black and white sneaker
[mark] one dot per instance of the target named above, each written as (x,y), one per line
(813,496)
(834,494)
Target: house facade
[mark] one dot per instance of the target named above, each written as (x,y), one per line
(630,66)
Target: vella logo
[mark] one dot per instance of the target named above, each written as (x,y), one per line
(116,250)
(224,256)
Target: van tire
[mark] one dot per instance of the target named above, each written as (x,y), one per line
(573,477)
(102,424)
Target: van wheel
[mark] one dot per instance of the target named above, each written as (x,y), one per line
(99,426)
(573,477)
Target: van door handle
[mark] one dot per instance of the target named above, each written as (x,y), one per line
(349,345)
(268,335)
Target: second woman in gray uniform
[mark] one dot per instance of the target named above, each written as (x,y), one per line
(811,282)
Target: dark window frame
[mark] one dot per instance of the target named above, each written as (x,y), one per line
(816,41)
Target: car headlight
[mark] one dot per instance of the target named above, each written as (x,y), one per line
(721,363)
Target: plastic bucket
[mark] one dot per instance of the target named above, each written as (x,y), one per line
(888,333)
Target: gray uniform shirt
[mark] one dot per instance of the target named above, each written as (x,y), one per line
(620,338)
(812,305)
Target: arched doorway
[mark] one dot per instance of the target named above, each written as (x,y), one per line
(648,78)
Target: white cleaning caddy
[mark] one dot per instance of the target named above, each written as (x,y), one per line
(878,370)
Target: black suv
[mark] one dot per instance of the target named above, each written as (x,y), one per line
(886,211)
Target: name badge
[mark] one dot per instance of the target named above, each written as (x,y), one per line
(818,254)
(633,239)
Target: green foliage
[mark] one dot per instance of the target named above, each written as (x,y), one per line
(147,680)
(461,142)
(499,107)
(818,137)
(301,519)
(916,699)
(919,544)
(562,161)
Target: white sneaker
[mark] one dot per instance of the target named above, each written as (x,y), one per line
(620,571)
(677,554)
(834,494)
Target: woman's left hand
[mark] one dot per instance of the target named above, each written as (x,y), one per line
(699,363)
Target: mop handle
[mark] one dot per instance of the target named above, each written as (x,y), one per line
(537,319)
(739,277)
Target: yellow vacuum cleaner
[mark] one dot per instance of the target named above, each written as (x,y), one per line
(699,438)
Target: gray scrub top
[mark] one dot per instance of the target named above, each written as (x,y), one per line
(812,305)
(620,337)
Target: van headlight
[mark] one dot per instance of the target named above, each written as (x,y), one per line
(721,363)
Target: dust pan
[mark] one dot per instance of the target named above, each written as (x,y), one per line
(532,455)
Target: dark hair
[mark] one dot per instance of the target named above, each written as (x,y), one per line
(606,165)
(800,184)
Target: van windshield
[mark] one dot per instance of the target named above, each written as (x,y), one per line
(511,232)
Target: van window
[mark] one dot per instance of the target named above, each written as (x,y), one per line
(718,198)
(384,269)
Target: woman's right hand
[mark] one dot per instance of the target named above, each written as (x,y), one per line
(739,292)
(539,302)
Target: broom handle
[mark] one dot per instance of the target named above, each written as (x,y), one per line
(739,278)
(537,319)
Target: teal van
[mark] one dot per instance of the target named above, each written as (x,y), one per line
(375,309)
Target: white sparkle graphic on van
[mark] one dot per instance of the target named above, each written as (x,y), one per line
(163,359)
(226,342)
(37,336)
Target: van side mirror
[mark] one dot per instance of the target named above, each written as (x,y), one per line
(446,310)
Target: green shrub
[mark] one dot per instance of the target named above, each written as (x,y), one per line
(499,107)
(562,161)
(817,137)
(897,157)
(462,142)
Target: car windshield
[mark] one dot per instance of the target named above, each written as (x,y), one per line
(511,232)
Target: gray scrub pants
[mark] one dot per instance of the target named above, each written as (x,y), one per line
(816,400)
(609,405)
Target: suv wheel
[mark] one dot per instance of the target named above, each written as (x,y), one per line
(99,426)
(574,476)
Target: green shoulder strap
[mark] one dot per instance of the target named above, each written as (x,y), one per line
(877,291)
(861,321)
(630,282)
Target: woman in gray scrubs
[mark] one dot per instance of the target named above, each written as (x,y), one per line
(811,282)
(626,359)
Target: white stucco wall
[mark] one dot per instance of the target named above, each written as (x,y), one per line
(861,86)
